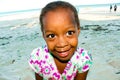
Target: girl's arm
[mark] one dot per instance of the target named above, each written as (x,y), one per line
(37,77)
(81,76)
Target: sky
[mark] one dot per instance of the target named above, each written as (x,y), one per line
(16,5)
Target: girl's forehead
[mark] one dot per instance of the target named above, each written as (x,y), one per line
(59,14)
(65,11)
(60,9)
(58,19)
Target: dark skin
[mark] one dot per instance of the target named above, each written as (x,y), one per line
(37,77)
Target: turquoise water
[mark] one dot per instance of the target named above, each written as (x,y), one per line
(77,6)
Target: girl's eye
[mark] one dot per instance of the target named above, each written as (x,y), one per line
(50,36)
(69,33)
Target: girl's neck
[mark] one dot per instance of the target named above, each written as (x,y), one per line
(60,65)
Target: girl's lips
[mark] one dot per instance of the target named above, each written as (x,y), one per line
(63,53)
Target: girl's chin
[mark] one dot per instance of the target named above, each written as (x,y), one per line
(65,58)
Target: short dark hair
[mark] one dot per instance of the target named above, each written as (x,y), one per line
(57,4)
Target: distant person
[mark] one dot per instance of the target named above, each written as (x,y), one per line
(110,8)
(115,8)
(61,58)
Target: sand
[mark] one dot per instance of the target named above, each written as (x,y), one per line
(100,34)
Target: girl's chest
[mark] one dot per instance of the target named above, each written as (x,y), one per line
(60,66)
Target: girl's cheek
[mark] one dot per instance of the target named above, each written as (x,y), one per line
(51,44)
(73,41)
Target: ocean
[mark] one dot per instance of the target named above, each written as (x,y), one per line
(78,7)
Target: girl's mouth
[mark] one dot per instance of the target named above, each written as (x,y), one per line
(63,53)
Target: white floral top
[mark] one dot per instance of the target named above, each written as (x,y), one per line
(42,62)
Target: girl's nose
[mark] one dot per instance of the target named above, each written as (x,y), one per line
(62,42)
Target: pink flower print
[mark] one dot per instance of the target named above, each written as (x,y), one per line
(56,75)
(69,64)
(37,53)
(31,61)
(85,67)
(86,57)
(64,71)
(69,77)
(51,67)
(46,70)
(46,49)
(42,62)
(81,50)
(46,56)
(34,62)
(74,74)
(77,57)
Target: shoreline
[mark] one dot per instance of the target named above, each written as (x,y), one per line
(83,16)
(90,13)
(99,16)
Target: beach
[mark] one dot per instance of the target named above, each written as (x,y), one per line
(100,35)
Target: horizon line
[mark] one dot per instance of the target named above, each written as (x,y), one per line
(36,9)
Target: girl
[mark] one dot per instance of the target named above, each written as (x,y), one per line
(60,59)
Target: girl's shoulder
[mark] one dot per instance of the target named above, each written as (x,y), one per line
(41,52)
(37,52)
(82,59)
(40,56)
(84,53)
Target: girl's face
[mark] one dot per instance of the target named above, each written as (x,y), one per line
(60,33)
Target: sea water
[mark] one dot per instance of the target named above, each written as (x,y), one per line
(78,7)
